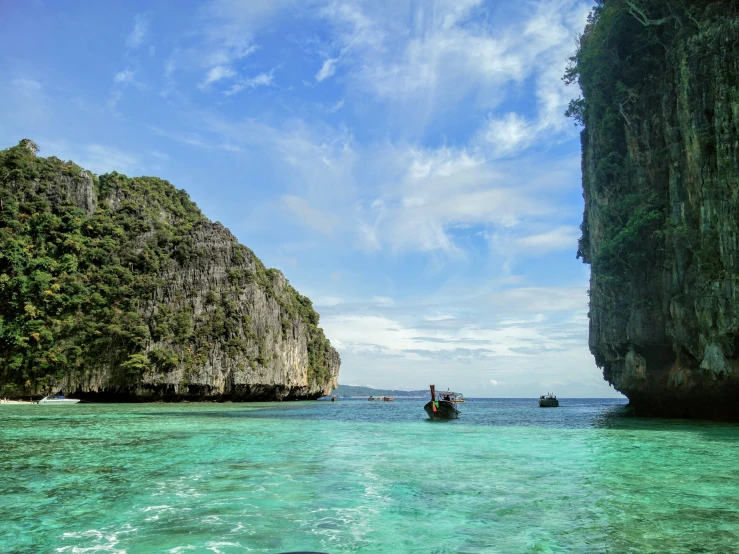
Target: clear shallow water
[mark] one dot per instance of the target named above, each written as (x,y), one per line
(358,476)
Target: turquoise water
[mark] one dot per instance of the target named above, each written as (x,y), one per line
(356,476)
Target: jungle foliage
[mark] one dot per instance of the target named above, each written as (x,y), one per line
(73,284)
(621,62)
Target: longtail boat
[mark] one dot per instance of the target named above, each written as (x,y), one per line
(442,405)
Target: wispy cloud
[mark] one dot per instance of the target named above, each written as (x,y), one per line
(138,34)
(327,69)
(489,337)
(215,74)
(124,77)
(406,162)
(560,238)
(261,80)
(194,139)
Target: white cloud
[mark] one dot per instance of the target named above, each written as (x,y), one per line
(216,74)
(138,35)
(327,301)
(368,333)
(124,77)
(406,197)
(384,301)
(227,35)
(507,135)
(431,194)
(535,300)
(336,107)
(261,80)
(122,80)
(354,29)
(431,55)
(559,238)
(327,69)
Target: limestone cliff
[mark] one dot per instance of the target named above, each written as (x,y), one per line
(118,288)
(660,164)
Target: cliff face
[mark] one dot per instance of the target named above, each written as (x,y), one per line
(660,165)
(117,288)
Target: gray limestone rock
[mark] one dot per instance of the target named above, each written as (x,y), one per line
(665,327)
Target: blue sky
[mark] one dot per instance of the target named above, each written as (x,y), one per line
(405,163)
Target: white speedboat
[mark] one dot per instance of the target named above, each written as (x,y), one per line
(58,399)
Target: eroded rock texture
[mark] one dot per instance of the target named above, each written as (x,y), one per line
(114,288)
(660,164)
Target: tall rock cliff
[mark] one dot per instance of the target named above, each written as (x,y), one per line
(660,164)
(118,288)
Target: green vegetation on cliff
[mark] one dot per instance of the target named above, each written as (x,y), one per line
(660,171)
(622,67)
(82,259)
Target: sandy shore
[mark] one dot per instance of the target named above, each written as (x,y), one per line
(8,402)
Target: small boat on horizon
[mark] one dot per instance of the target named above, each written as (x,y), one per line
(548,401)
(441,405)
(58,400)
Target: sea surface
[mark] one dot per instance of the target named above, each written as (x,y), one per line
(358,476)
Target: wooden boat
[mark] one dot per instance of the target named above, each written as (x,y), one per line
(388,398)
(441,405)
(548,401)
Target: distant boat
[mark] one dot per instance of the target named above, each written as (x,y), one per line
(548,401)
(387,398)
(333,398)
(442,405)
(58,400)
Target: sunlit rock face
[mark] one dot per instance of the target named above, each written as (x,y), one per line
(142,297)
(660,170)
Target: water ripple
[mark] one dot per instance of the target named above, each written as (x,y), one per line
(365,477)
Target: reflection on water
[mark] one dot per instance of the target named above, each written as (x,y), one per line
(358,476)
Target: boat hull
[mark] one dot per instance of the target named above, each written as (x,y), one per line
(548,403)
(65,402)
(445,410)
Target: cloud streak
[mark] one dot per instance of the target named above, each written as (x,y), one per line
(139,33)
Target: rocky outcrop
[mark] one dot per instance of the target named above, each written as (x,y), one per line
(265,355)
(660,168)
(143,297)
